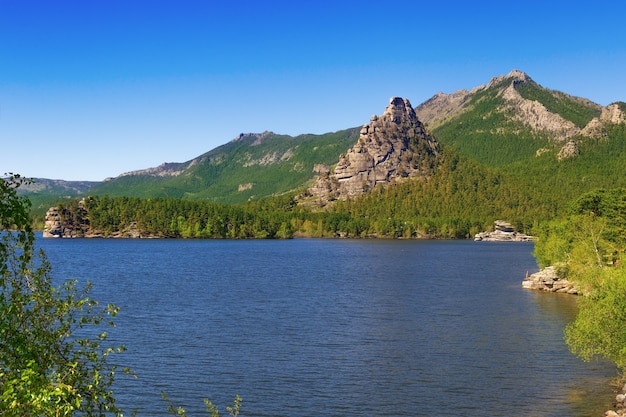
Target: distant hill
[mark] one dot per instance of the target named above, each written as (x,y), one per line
(252,166)
(43,192)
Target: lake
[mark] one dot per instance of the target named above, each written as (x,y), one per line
(336,327)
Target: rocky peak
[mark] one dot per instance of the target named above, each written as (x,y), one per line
(569,150)
(391,147)
(613,113)
(515,76)
(255,138)
(399,110)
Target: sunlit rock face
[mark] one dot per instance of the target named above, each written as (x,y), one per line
(391,147)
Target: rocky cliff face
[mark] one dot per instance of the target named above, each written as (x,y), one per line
(62,223)
(531,113)
(73,222)
(391,147)
(611,114)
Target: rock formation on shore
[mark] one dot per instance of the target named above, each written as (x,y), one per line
(74,223)
(390,148)
(503,232)
(60,223)
(548,280)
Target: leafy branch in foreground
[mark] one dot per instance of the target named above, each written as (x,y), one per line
(50,363)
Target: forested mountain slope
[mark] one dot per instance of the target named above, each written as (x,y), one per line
(249,167)
(555,144)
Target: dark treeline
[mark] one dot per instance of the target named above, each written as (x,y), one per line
(178,218)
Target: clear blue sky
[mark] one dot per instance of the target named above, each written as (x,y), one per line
(92,89)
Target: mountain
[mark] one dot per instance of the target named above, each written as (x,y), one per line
(549,142)
(555,144)
(513,118)
(249,167)
(511,123)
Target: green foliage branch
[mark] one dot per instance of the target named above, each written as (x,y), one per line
(54,355)
(588,244)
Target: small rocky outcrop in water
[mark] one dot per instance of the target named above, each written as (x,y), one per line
(503,232)
(548,280)
(390,148)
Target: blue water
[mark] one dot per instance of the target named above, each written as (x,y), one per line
(336,327)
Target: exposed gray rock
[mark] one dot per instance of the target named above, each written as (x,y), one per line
(536,116)
(442,107)
(390,148)
(613,113)
(569,150)
(596,128)
(166,169)
(548,280)
(321,169)
(53,226)
(61,224)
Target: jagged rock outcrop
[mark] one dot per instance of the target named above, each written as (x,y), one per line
(569,150)
(596,128)
(503,232)
(613,113)
(74,223)
(390,148)
(53,226)
(548,280)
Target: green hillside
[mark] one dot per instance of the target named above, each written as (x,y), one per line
(601,164)
(577,111)
(490,136)
(249,168)
(493,132)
